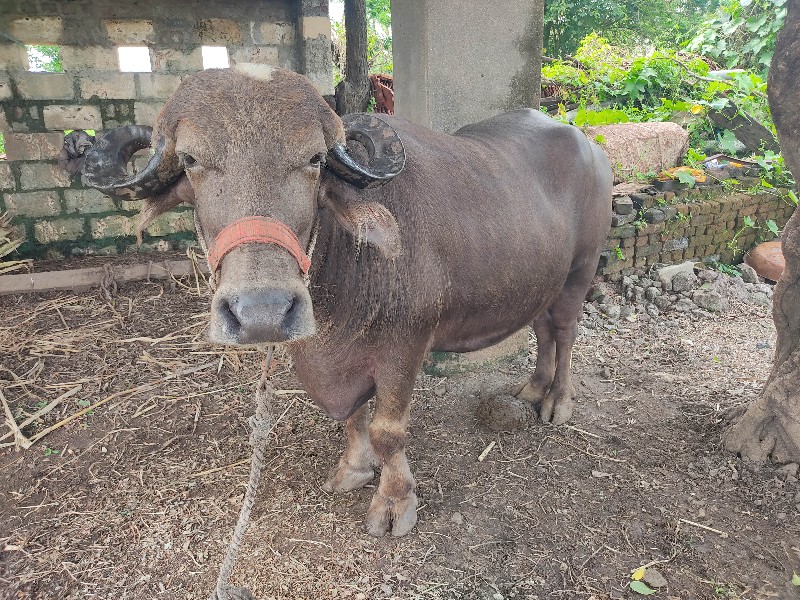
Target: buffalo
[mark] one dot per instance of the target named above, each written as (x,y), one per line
(421,241)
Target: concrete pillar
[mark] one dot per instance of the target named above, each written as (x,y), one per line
(460,61)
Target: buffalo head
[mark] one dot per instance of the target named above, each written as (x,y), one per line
(257,157)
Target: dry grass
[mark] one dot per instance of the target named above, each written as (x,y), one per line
(7,245)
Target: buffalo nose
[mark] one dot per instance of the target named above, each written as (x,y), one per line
(260,316)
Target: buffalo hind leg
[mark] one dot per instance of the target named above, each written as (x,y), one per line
(556,330)
(355,468)
(536,388)
(394,504)
(567,309)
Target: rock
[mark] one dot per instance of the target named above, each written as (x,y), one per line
(504,412)
(652,310)
(767,260)
(665,274)
(457,518)
(789,470)
(654,215)
(612,311)
(684,305)
(620,220)
(684,281)
(652,293)
(440,390)
(625,312)
(749,274)
(654,578)
(638,294)
(623,205)
(708,275)
(760,298)
(641,147)
(710,300)
(597,293)
(662,303)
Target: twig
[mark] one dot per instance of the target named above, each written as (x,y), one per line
(20,441)
(706,527)
(486,450)
(244,461)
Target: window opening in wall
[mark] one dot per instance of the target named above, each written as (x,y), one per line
(215,57)
(44,59)
(134,59)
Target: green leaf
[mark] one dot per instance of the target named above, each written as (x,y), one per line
(795,579)
(728,141)
(792,196)
(600,139)
(718,103)
(685,177)
(748,222)
(773,227)
(641,588)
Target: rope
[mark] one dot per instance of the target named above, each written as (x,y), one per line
(261,423)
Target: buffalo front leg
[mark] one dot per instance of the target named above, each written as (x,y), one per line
(355,468)
(394,504)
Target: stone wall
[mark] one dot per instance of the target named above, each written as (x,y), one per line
(55,213)
(706,222)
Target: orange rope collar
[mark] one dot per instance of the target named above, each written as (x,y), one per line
(256,230)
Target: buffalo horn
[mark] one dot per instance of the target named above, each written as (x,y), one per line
(387,155)
(105,166)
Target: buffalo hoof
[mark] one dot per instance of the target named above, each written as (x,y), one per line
(529,393)
(399,514)
(556,410)
(345,478)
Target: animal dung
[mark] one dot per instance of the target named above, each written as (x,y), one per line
(504,412)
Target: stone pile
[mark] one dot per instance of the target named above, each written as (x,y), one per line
(664,290)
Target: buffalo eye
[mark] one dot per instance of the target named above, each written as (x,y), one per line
(317,160)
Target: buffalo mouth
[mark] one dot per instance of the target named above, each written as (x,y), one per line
(261,315)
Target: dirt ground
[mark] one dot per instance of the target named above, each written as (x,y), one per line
(138,497)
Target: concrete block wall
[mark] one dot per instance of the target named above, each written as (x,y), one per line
(56,214)
(690,224)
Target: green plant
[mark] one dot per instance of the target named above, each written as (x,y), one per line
(728,269)
(45,58)
(741,33)
(48,451)
(619,253)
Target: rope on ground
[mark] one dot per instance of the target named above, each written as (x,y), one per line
(261,423)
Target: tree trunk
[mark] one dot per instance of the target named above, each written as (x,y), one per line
(746,129)
(353,92)
(771,426)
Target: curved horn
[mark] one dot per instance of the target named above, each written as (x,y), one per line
(105,166)
(387,156)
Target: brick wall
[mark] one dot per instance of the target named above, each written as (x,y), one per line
(56,214)
(690,224)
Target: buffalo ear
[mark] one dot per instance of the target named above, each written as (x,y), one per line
(366,221)
(180,191)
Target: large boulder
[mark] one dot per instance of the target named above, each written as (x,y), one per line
(767,260)
(640,148)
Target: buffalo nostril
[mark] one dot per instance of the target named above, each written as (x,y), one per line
(230,321)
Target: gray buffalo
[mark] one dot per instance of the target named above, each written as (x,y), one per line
(422,241)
